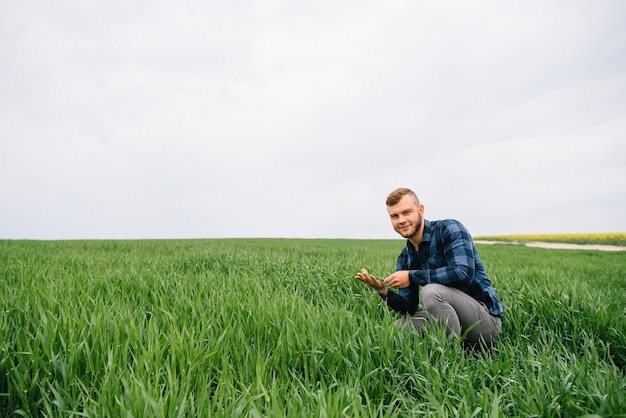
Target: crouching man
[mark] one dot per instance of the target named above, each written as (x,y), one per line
(441,259)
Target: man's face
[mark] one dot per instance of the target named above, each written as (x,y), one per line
(407,217)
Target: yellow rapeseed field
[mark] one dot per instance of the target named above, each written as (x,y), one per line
(610,238)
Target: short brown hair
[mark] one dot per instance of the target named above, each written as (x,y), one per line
(397,195)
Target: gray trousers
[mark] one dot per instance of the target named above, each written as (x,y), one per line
(458,311)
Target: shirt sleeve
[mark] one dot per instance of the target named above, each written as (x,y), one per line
(458,252)
(404,301)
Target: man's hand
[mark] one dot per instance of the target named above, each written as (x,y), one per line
(372,281)
(398,280)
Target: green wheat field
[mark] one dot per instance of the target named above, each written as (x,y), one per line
(271,327)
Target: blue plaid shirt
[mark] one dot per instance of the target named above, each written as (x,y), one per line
(446,255)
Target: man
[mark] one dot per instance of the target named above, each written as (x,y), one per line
(440,257)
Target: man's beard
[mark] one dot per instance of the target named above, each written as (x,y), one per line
(411,233)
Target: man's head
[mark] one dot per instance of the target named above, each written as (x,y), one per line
(406,214)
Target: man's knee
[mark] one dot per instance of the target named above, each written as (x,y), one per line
(433,294)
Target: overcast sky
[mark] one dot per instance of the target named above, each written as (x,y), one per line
(205,119)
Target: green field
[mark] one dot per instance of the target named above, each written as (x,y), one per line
(281,328)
